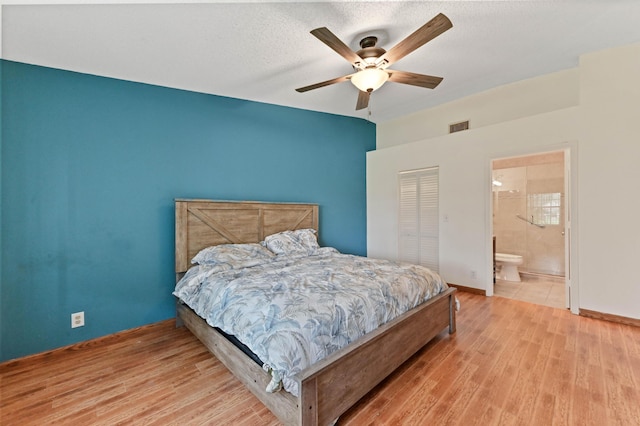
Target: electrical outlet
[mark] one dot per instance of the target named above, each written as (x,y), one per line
(77,319)
(473,275)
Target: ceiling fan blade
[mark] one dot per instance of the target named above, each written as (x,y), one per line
(421,80)
(327,37)
(324,83)
(363,100)
(422,35)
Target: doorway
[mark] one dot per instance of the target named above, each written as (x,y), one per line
(529,200)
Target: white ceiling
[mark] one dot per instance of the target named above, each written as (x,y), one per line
(262,51)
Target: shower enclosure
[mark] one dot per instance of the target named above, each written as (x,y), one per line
(528,211)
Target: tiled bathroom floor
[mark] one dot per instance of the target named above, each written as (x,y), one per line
(541,290)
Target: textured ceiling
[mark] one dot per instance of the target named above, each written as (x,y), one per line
(262,51)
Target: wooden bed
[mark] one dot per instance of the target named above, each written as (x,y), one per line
(330,387)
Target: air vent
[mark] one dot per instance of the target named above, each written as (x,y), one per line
(458,127)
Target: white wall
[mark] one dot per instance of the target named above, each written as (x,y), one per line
(609,175)
(510,102)
(588,114)
(465,187)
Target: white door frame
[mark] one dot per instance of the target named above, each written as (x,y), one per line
(571,218)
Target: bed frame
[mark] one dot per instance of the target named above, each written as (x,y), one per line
(329,387)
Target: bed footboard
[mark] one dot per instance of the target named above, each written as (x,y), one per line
(332,386)
(336,383)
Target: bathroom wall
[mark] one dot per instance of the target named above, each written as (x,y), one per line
(527,185)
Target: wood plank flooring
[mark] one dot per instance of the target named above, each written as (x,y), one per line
(510,363)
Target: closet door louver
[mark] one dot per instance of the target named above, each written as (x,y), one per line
(418,218)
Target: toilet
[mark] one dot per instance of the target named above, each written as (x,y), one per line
(508,266)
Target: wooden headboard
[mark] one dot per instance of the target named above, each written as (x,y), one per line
(205,223)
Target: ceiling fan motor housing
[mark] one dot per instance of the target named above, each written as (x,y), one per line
(369,52)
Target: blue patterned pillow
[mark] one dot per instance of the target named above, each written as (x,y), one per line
(307,237)
(301,241)
(284,243)
(234,255)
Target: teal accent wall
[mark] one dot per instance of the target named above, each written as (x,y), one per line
(89,170)
(1,132)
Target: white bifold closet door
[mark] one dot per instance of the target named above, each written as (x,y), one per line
(418,217)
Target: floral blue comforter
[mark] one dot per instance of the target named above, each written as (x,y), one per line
(293,311)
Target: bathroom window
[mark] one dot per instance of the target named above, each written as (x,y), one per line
(545,208)
(418,232)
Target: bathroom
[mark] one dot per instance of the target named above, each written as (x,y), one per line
(528,196)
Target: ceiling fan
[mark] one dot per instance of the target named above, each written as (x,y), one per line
(371,62)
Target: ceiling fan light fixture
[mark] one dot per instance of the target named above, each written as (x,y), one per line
(369,79)
(370,62)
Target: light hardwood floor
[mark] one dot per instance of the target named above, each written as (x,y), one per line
(510,363)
